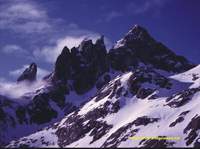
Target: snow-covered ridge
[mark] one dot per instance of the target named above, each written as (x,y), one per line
(117,113)
(190,76)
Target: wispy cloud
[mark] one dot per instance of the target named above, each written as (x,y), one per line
(16,90)
(23,16)
(13,49)
(40,72)
(50,53)
(72,37)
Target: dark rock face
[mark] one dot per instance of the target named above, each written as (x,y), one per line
(103,81)
(144,121)
(76,127)
(5,118)
(195,77)
(21,115)
(196,143)
(83,65)
(122,59)
(193,128)
(113,89)
(74,130)
(119,136)
(29,73)
(42,109)
(63,65)
(153,143)
(124,132)
(179,119)
(183,97)
(143,93)
(146,75)
(139,47)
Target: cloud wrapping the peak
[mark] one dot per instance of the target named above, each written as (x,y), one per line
(17,90)
(75,36)
(40,72)
(50,53)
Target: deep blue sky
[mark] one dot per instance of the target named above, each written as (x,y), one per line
(36,30)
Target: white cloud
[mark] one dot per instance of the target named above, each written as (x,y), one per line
(74,37)
(40,72)
(50,53)
(22,10)
(16,90)
(13,49)
(23,16)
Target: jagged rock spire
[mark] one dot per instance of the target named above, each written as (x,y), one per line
(85,44)
(100,42)
(83,64)
(29,73)
(87,62)
(62,66)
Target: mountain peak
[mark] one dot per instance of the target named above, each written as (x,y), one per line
(65,51)
(100,40)
(137,28)
(100,43)
(29,73)
(85,44)
(136,34)
(137,46)
(62,65)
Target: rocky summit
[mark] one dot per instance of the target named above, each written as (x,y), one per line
(29,73)
(98,97)
(89,62)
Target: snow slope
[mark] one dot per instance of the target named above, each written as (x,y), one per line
(129,106)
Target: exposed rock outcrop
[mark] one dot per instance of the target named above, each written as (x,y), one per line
(29,73)
(83,65)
